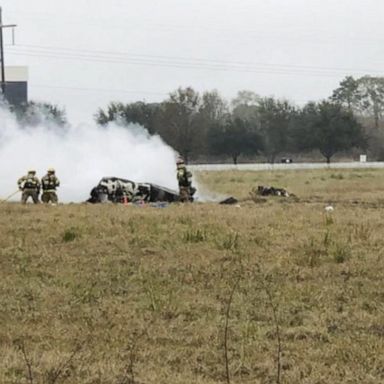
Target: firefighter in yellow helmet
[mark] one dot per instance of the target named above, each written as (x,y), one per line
(184,178)
(49,183)
(29,185)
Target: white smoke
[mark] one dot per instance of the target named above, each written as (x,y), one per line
(81,156)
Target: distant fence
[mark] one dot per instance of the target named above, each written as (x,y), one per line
(280,166)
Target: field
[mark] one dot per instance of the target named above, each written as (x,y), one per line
(273,290)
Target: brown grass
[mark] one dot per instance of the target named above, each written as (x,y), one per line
(144,291)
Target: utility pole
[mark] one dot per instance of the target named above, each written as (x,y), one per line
(2,26)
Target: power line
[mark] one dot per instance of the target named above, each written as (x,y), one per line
(317,38)
(86,89)
(183,64)
(190,60)
(175,65)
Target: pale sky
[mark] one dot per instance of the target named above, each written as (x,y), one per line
(83,54)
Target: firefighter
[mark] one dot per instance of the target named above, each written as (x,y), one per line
(30,187)
(49,183)
(184,178)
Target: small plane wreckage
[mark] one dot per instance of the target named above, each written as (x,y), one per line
(118,190)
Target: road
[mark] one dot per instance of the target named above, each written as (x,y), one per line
(283,166)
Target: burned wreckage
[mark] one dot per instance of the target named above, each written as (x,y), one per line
(118,190)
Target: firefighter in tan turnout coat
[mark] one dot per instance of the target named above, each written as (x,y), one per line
(49,184)
(184,178)
(30,187)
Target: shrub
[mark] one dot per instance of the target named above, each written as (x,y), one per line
(70,235)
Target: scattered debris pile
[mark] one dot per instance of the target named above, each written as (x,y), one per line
(270,191)
(229,201)
(258,194)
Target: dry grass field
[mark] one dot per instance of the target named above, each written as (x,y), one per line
(271,291)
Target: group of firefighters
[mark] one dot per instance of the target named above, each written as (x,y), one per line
(30,185)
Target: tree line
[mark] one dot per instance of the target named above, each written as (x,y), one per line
(208,126)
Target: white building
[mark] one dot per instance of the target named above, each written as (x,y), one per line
(16,84)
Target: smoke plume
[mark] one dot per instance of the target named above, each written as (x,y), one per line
(82,155)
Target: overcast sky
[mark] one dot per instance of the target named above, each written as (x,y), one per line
(83,54)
